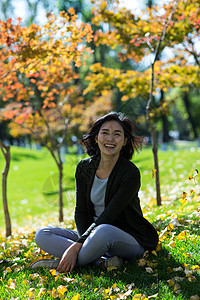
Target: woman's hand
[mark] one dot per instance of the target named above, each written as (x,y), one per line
(69,257)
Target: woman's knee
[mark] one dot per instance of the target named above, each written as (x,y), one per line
(103,232)
(40,235)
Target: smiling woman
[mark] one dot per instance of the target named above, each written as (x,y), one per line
(110,141)
(109,220)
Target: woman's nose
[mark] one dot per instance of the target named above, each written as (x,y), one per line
(110,137)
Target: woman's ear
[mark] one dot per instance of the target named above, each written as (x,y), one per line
(125,141)
(96,139)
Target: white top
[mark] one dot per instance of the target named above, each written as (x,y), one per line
(97,195)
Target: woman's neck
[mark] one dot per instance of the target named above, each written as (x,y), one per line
(106,165)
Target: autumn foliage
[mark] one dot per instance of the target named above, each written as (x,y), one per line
(137,37)
(37,64)
(40,85)
(161,44)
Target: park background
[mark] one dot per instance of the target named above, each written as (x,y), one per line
(64,64)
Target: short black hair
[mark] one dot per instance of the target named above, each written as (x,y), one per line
(134,143)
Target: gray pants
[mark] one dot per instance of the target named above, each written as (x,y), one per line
(104,239)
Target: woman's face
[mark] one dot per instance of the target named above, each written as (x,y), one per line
(110,138)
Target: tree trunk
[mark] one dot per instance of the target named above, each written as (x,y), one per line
(6,152)
(186,101)
(156,165)
(118,100)
(153,136)
(165,129)
(166,137)
(60,166)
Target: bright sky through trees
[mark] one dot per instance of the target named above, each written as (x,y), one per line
(20,8)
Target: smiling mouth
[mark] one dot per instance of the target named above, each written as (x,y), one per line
(109,146)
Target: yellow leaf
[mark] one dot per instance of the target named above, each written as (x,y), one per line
(76,297)
(176,287)
(170,282)
(170,226)
(192,192)
(195,297)
(149,270)
(153,173)
(182,235)
(61,289)
(33,276)
(187,254)
(178,269)
(142,262)
(25,281)
(57,277)
(111,268)
(42,291)
(184,195)
(192,278)
(53,272)
(106,291)
(8,270)
(195,267)
(54,293)
(88,277)
(137,296)
(172,244)
(30,292)
(183,201)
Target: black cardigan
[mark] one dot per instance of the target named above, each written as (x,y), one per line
(122,204)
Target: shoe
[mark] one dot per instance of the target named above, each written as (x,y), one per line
(45,263)
(114,261)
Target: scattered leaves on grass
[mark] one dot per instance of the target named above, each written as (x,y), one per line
(175,232)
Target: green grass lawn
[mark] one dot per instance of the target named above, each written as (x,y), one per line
(171,272)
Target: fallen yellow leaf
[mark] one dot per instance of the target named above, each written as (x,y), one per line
(195,297)
(88,277)
(61,289)
(76,297)
(170,282)
(182,235)
(42,291)
(149,270)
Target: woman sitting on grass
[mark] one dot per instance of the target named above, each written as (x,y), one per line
(108,216)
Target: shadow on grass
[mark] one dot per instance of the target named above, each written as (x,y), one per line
(21,156)
(164,281)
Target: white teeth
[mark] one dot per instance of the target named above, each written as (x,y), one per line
(110,146)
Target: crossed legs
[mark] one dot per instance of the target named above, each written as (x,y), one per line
(105,239)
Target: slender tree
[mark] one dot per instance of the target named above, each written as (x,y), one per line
(141,37)
(6,153)
(37,79)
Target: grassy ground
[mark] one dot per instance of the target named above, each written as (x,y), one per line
(171,272)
